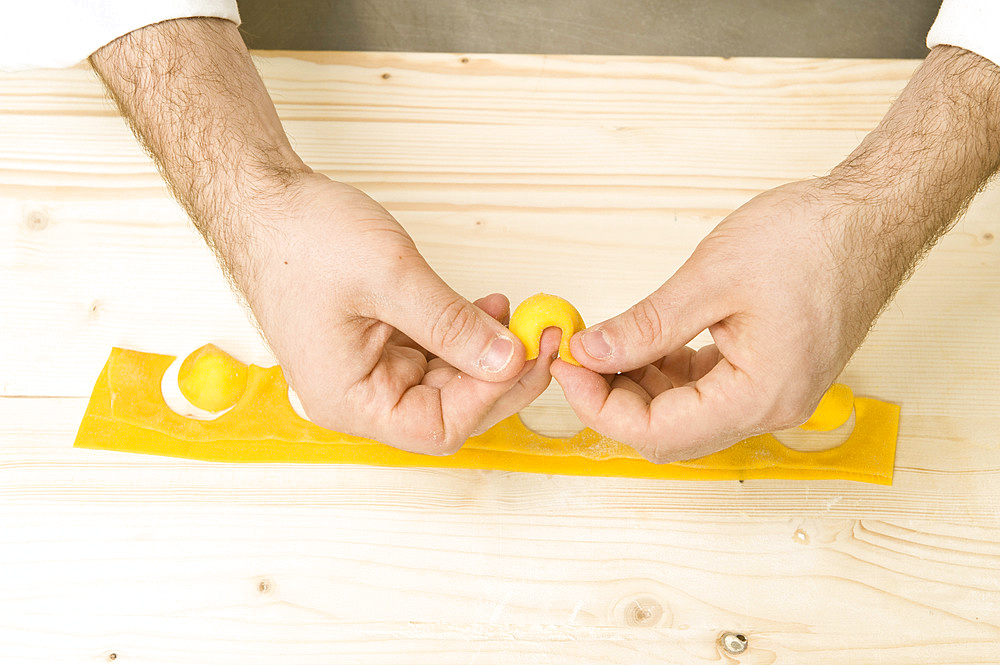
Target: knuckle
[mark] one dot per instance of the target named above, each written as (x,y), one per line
(455,324)
(440,442)
(450,445)
(662,453)
(647,323)
(654,448)
(654,454)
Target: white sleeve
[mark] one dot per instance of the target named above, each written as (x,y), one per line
(61,33)
(971,24)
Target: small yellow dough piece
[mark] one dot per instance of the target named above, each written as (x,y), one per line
(211,379)
(833,411)
(542,311)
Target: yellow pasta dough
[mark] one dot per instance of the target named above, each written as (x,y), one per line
(833,411)
(542,311)
(127,413)
(211,379)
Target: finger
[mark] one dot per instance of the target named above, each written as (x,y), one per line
(436,419)
(651,379)
(435,364)
(450,327)
(532,382)
(346,368)
(399,339)
(399,369)
(438,376)
(686,364)
(717,410)
(447,407)
(453,412)
(620,414)
(666,320)
(623,382)
(681,423)
(548,344)
(705,358)
(496,305)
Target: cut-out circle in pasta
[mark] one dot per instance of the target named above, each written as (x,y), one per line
(293,399)
(177,402)
(809,441)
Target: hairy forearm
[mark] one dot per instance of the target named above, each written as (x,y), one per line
(193,97)
(933,151)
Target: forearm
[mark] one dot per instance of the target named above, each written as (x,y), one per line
(193,97)
(932,152)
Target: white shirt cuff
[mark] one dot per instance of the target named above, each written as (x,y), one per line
(970,24)
(61,33)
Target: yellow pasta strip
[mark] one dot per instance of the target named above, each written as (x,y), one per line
(127,413)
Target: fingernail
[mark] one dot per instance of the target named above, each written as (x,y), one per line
(498,355)
(595,343)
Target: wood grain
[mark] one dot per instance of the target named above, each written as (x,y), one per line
(589,177)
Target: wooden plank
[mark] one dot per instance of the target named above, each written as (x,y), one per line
(517,174)
(177,583)
(37,435)
(164,560)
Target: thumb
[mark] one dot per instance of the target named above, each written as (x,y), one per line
(663,322)
(452,328)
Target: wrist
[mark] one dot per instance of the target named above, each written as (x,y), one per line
(935,147)
(914,174)
(193,97)
(255,225)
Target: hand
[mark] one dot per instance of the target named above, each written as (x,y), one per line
(787,294)
(353,313)
(789,284)
(373,342)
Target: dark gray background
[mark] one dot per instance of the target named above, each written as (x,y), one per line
(806,28)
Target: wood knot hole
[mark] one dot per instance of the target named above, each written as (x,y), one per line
(112,656)
(734,642)
(643,612)
(36,220)
(801,537)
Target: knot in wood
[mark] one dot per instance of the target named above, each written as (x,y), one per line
(734,642)
(36,220)
(643,612)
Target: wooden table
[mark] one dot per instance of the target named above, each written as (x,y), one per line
(588,177)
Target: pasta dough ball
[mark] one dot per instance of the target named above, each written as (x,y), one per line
(211,379)
(542,311)
(833,410)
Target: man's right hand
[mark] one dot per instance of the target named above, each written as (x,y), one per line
(375,343)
